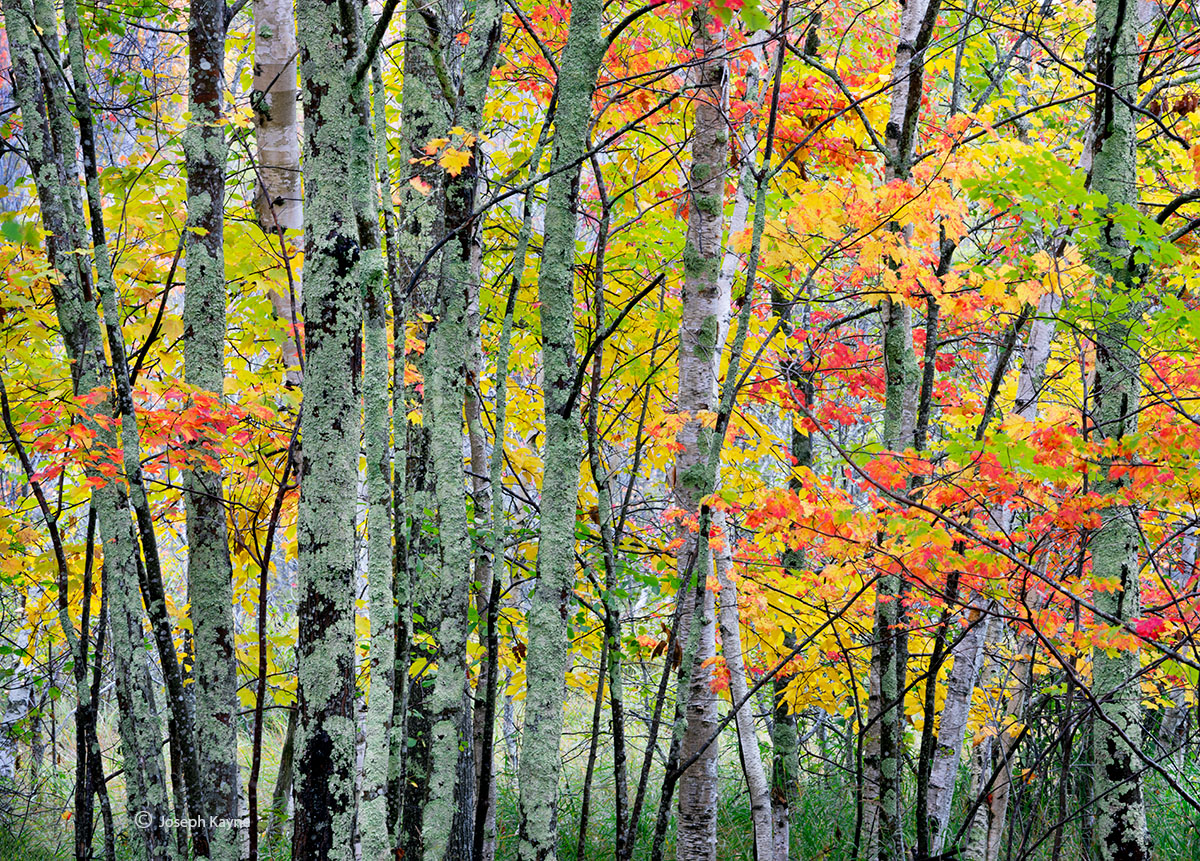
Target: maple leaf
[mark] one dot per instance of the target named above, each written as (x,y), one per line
(454,160)
(1150,628)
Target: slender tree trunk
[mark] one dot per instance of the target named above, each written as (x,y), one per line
(593,749)
(210,589)
(282,790)
(547,617)
(485,816)
(885,739)
(448,365)
(425,114)
(54,169)
(488,565)
(952,724)
(401,592)
(179,701)
(608,543)
(747,733)
(377,430)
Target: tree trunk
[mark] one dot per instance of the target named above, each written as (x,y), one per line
(731,649)
(448,366)
(278,199)
(701,340)
(54,169)
(1120,815)
(325,785)
(282,792)
(425,114)
(885,738)
(547,617)
(210,589)
(952,723)
(375,834)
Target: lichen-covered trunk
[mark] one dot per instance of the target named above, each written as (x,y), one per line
(702,329)
(54,169)
(425,114)
(1120,829)
(883,750)
(375,834)
(210,589)
(324,823)
(448,816)
(547,617)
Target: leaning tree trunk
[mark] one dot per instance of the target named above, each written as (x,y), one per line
(55,173)
(179,701)
(210,589)
(547,655)
(747,733)
(1121,815)
(325,765)
(702,331)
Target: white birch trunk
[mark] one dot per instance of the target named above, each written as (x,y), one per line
(731,648)
(278,199)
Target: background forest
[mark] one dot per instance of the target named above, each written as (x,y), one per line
(495,429)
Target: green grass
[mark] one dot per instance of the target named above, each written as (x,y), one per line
(822,823)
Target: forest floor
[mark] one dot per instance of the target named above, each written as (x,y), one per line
(822,823)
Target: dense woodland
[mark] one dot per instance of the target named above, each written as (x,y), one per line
(498,429)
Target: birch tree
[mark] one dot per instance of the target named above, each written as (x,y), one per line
(701,341)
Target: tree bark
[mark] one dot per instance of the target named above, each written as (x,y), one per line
(210,588)
(747,733)
(702,332)
(278,198)
(547,617)
(889,658)
(53,165)
(448,365)
(325,785)
(1120,816)
(376,836)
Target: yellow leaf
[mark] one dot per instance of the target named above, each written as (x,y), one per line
(454,160)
